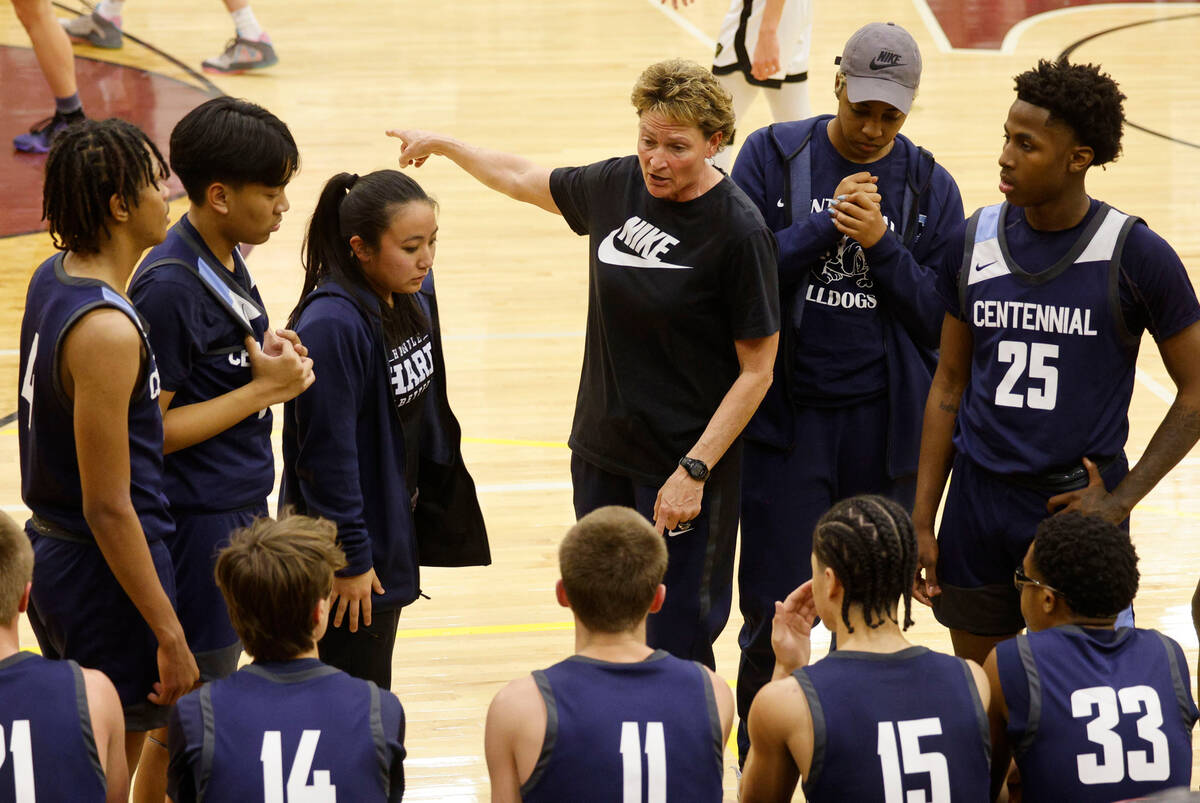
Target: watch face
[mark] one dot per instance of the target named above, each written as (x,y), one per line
(695,468)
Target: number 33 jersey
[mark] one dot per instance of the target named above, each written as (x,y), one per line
(906,725)
(1055,319)
(1097,715)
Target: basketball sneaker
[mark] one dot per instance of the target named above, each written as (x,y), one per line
(42,134)
(242,55)
(95,30)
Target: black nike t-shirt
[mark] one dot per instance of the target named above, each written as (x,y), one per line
(671,287)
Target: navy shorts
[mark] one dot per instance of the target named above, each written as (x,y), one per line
(987,526)
(79,611)
(194,545)
(699,576)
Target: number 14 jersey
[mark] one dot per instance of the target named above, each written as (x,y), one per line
(1097,715)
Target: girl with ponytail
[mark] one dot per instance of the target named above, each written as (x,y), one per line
(352,442)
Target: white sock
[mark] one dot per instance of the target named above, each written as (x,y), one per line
(247,26)
(110,9)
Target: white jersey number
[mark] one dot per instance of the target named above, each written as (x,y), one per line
(298,788)
(27,382)
(1113,761)
(21,746)
(910,732)
(631,763)
(1018,354)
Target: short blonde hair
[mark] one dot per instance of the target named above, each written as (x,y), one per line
(687,93)
(272,575)
(612,562)
(16,566)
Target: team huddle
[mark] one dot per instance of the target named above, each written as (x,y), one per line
(804,350)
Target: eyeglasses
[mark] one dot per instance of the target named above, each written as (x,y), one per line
(1020,580)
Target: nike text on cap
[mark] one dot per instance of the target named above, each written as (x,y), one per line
(881,62)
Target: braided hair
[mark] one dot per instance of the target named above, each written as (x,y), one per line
(870,544)
(90,162)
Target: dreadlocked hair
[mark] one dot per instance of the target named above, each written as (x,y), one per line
(90,162)
(350,205)
(870,544)
(1080,96)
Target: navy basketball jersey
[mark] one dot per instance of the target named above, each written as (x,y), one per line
(1053,365)
(287,731)
(644,732)
(199,314)
(47,749)
(1097,715)
(890,725)
(49,466)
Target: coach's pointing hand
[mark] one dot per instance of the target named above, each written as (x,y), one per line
(416,146)
(678,501)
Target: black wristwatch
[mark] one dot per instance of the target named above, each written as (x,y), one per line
(695,468)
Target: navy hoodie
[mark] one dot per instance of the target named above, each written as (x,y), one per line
(343,445)
(770,169)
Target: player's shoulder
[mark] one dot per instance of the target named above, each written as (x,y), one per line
(516,696)
(1143,244)
(333,307)
(780,708)
(517,708)
(105,330)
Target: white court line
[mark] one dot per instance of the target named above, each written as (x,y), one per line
(683,22)
(513,336)
(1008,45)
(1154,386)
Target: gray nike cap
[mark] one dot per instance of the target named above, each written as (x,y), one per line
(881,62)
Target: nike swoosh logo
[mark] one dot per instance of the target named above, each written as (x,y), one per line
(779,203)
(875,65)
(607,252)
(981,268)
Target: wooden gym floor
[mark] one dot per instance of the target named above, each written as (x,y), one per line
(551,81)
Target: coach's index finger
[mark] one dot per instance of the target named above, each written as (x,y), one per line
(412,151)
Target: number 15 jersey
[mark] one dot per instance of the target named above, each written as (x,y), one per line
(1056,318)
(1097,715)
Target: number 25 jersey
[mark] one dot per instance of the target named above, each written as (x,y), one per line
(1053,361)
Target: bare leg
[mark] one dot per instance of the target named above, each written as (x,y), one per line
(133,748)
(973,647)
(50,45)
(150,785)
(743,94)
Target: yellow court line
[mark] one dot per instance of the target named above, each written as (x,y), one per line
(517,442)
(482,630)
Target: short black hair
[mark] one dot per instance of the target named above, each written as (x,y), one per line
(1083,98)
(88,163)
(232,141)
(1090,561)
(870,544)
